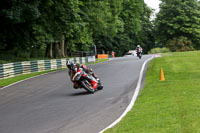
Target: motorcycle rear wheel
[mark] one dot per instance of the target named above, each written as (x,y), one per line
(86,85)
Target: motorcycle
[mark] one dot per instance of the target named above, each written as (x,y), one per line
(82,82)
(139,53)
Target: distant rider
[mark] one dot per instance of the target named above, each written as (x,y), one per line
(139,49)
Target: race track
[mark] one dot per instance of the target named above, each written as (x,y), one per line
(49,104)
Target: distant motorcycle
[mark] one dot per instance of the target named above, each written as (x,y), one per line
(79,77)
(139,53)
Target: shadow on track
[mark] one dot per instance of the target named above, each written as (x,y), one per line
(81,93)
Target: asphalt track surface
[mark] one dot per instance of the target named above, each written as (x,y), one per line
(49,104)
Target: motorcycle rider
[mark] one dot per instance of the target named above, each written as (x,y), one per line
(139,49)
(87,70)
(74,68)
(90,71)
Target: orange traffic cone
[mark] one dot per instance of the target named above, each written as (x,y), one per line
(162,77)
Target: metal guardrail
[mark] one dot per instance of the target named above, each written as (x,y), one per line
(18,68)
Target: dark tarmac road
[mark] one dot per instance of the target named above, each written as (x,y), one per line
(49,104)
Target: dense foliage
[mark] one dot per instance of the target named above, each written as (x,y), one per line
(178,24)
(52,28)
(159,50)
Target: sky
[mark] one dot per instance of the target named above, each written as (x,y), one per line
(153,4)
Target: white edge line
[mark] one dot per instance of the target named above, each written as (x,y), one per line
(133,98)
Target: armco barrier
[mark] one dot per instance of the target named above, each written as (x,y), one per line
(18,68)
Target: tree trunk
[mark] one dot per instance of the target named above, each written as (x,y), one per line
(50,51)
(55,50)
(47,50)
(65,48)
(62,46)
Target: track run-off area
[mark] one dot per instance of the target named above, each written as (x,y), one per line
(49,104)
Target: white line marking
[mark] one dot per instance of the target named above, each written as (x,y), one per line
(133,98)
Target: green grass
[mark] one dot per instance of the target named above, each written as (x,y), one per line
(98,61)
(170,106)
(8,81)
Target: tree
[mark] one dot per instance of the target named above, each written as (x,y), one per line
(146,35)
(17,20)
(129,34)
(100,21)
(55,27)
(178,18)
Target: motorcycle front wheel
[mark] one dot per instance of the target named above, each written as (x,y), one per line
(87,86)
(139,55)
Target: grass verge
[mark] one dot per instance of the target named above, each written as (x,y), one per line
(170,106)
(98,61)
(8,81)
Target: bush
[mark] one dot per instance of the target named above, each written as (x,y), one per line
(6,56)
(36,53)
(23,54)
(158,50)
(180,44)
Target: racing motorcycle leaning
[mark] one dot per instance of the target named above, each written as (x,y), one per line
(83,79)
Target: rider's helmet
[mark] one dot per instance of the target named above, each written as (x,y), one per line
(138,46)
(90,70)
(69,65)
(77,65)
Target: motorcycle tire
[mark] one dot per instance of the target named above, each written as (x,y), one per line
(140,56)
(86,85)
(100,87)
